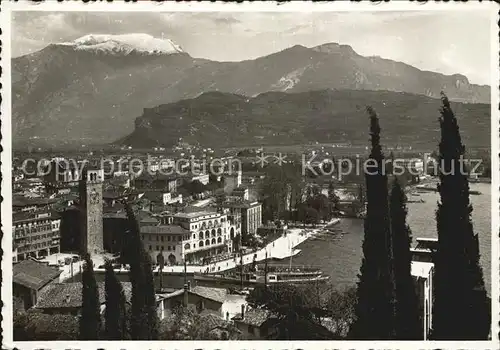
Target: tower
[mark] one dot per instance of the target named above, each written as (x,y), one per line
(90,192)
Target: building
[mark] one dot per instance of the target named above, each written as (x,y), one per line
(196,176)
(66,298)
(167,183)
(189,236)
(250,213)
(254,323)
(232,181)
(91,210)
(29,279)
(241,193)
(166,240)
(422,270)
(202,299)
(23,203)
(35,234)
(61,171)
(422,273)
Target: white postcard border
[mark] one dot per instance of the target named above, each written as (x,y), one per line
(6,159)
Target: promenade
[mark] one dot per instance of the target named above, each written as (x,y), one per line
(281,248)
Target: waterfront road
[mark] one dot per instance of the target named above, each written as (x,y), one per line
(281,248)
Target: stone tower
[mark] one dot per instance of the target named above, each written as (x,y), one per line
(90,192)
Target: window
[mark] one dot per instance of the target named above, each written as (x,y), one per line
(150,248)
(194,236)
(161,238)
(157,248)
(142,236)
(157,238)
(162,248)
(200,306)
(168,238)
(168,248)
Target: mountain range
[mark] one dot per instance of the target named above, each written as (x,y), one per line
(95,89)
(219,119)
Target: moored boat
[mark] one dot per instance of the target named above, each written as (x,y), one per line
(276,274)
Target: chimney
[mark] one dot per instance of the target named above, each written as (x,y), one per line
(68,298)
(186,289)
(242,311)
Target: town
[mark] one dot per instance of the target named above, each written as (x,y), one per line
(213,175)
(204,232)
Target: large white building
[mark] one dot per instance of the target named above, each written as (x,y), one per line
(190,236)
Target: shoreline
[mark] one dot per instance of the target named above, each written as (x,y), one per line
(281,248)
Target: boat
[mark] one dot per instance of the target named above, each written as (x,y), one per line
(276,274)
(416,201)
(474,192)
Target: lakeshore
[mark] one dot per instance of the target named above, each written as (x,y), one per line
(281,248)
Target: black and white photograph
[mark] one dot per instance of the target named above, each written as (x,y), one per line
(242,172)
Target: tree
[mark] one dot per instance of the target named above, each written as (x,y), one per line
(408,326)
(333,198)
(290,312)
(115,315)
(341,309)
(375,310)
(307,215)
(185,323)
(461,309)
(144,323)
(90,318)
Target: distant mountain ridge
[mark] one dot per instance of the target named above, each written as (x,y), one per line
(64,93)
(327,116)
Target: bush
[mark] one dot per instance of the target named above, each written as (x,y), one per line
(42,327)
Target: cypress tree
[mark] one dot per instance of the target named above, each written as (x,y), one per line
(90,318)
(461,308)
(115,326)
(408,326)
(144,323)
(375,310)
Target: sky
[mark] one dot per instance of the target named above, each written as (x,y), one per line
(446,42)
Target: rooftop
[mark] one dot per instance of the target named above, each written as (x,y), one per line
(22,201)
(421,268)
(163,229)
(255,317)
(215,294)
(33,274)
(195,214)
(240,204)
(69,295)
(34,215)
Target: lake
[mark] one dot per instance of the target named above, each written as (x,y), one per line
(341,258)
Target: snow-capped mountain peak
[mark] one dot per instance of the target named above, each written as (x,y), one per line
(124,44)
